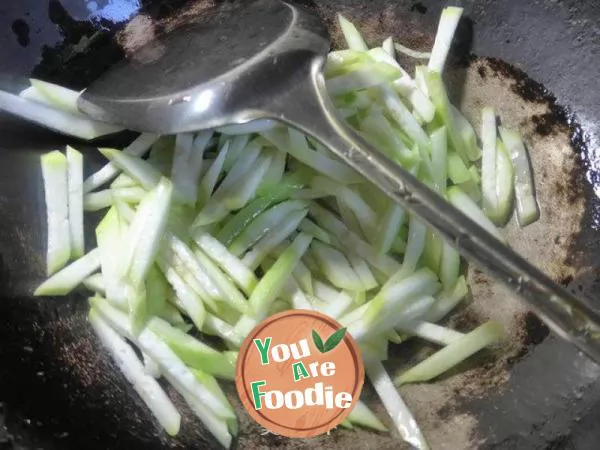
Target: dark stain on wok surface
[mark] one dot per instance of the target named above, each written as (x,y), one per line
(59,390)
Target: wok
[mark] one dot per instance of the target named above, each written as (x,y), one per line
(58,388)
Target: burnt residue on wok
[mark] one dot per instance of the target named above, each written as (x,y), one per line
(58,388)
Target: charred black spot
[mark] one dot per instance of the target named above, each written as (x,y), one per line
(565,281)
(482,72)
(535,330)
(21,30)
(419,7)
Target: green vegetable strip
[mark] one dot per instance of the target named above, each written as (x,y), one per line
(336,267)
(136,149)
(154,215)
(184,186)
(468,134)
(309,227)
(273,281)
(237,146)
(330,223)
(504,184)
(361,268)
(268,220)
(96,201)
(439,97)
(462,201)
(189,261)
(171,366)
(376,74)
(296,146)
(56,192)
(394,295)
(110,236)
(147,388)
(210,178)
(216,208)
(194,353)
(62,97)
(229,263)
(457,170)
(122,181)
(75,184)
(304,277)
(138,169)
(217,327)
(272,239)
(439,158)
(67,279)
(457,351)
(449,265)
(95,283)
(229,292)
(363,416)
(389,227)
(403,117)
(190,301)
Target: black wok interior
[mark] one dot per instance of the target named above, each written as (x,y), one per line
(553,397)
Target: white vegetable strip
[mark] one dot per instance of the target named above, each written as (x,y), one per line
(59,96)
(412,53)
(55,119)
(110,236)
(229,292)
(75,183)
(268,220)
(217,327)
(430,331)
(171,366)
(95,283)
(329,222)
(336,267)
(296,146)
(352,35)
(439,157)
(56,192)
(443,38)
(138,148)
(184,181)
(153,211)
(488,162)
(527,206)
(458,350)
(505,176)
(394,405)
(230,264)
(272,239)
(138,169)
(153,395)
(95,201)
(361,268)
(189,300)
(463,202)
(210,178)
(67,279)
(389,227)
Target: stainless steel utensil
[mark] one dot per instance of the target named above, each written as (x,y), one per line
(263,60)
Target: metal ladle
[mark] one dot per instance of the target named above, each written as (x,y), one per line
(263,59)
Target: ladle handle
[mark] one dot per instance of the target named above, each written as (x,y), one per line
(309,109)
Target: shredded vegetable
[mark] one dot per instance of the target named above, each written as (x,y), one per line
(213,231)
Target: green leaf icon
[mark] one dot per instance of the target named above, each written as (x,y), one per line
(318,341)
(331,343)
(334,340)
